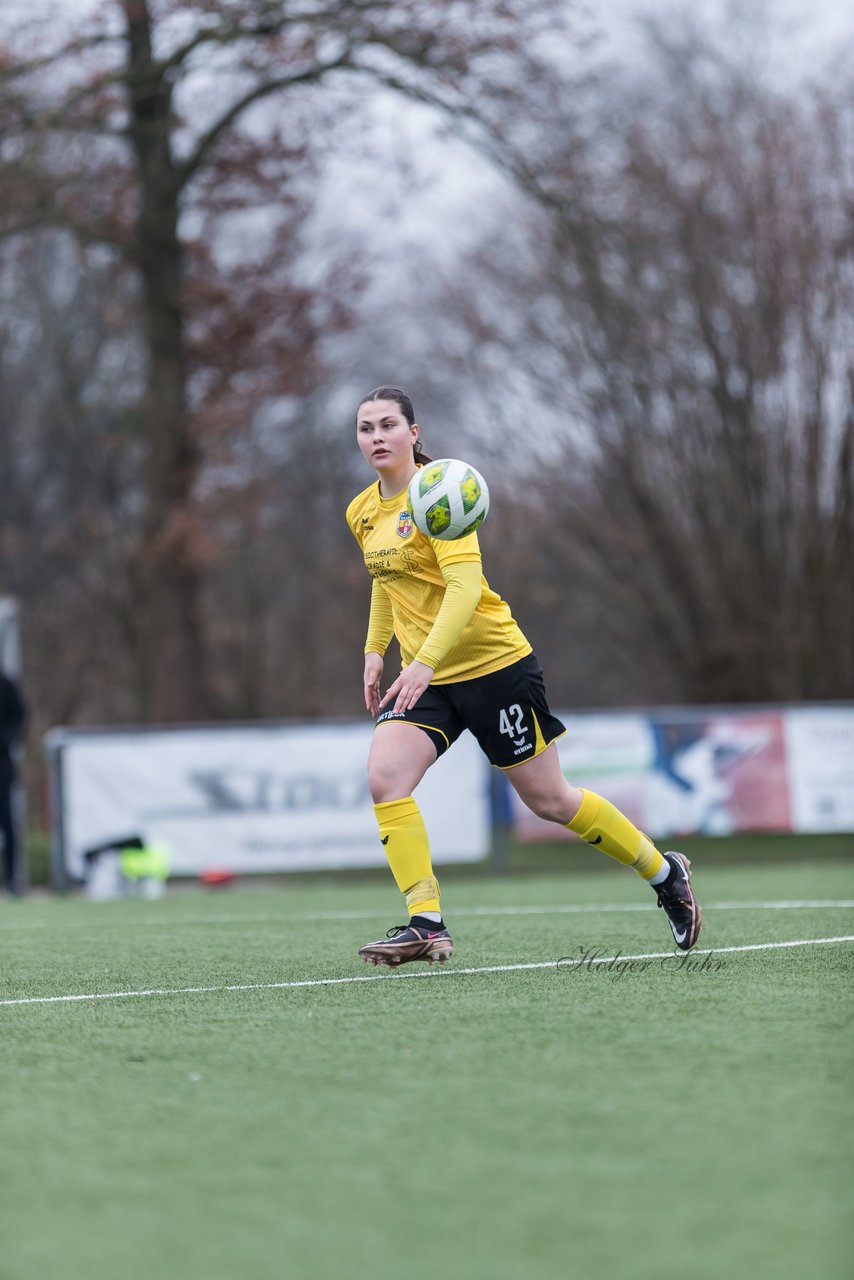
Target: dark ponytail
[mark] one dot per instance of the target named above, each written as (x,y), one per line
(405,404)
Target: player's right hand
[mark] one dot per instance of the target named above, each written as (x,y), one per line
(373,676)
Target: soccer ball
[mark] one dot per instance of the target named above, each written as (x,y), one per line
(448,499)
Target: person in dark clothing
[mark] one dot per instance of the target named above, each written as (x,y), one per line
(12,717)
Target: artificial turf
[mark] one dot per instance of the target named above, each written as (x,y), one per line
(609,1120)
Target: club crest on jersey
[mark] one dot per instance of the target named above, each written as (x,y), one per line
(404,524)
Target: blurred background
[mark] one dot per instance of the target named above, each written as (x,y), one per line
(608,252)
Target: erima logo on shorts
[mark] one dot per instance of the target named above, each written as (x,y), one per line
(520,751)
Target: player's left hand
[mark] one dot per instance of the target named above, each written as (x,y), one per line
(409,686)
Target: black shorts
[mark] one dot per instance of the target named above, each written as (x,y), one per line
(506,711)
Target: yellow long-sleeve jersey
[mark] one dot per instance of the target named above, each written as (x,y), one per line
(412,574)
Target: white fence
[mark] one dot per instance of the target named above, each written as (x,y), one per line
(294,797)
(250,799)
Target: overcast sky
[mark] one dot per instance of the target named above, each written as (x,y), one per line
(814,25)
(784,38)
(796,36)
(791,39)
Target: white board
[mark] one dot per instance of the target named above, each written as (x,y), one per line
(254,799)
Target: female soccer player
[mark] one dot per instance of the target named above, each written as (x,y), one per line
(466,665)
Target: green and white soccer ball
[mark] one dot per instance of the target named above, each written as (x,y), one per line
(448,499)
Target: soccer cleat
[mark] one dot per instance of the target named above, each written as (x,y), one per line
(407,942)
(677,898)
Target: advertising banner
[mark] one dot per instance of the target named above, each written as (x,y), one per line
(820,750)
(715,773)
(708,772)
(608,753)
(256,799)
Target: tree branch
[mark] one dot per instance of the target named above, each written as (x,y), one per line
(14,70)
(56,218)
(228,33)
(208,139)
(491,142)
(55,117)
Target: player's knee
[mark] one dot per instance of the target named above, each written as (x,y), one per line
(553,808)
(385,782)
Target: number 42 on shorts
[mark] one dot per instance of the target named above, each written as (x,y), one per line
(510,721)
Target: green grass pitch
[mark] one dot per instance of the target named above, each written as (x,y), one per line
(621,1120)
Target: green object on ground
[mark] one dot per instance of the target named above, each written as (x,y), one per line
(149,862)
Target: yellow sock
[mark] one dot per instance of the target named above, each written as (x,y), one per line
(407,847)
(600,823)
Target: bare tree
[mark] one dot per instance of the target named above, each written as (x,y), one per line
(119,130)
(693,320)
(71,453)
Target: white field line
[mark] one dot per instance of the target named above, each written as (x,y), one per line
(795,904)
(565,963)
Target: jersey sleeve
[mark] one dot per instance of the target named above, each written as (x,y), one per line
(350,517)
(463,586)
(456,552)
(380,621)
